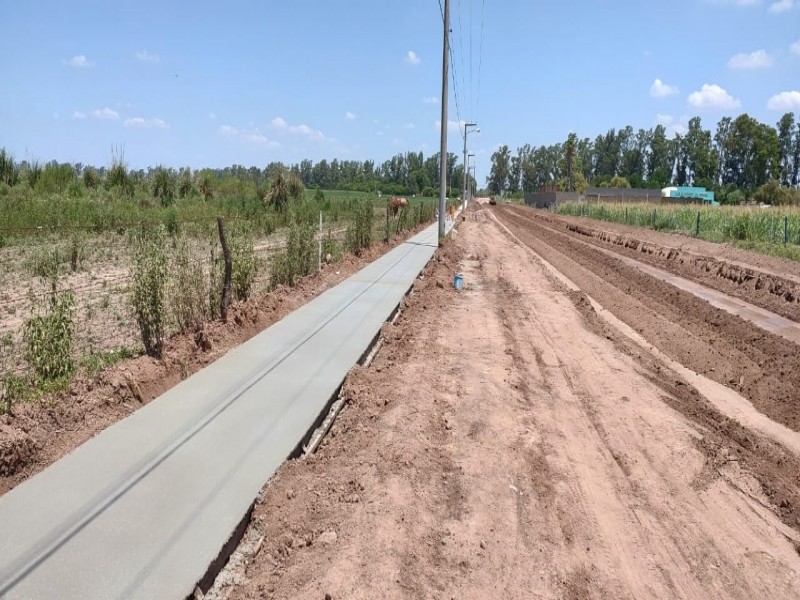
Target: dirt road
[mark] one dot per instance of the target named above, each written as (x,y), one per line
(507,442)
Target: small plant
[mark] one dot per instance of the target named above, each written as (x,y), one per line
(171,223)
(48,338)
(96,361)
(77,252)
(15,390)
(319,197)
(149,288)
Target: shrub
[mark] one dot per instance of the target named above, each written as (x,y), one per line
(185,184)
(359,232)
(285,186)
(206,185)
(188,295)
(149,288)
(164,186)
(244,265)
(48,338)
(46,263)
(90,179)
(297,259)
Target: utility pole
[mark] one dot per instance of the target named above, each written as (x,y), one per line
(466,174)
(443,146)
(468,186)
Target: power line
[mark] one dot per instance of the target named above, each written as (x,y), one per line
(461,44)
(480,60)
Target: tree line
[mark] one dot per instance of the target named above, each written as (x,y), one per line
(409,173)
(741,157)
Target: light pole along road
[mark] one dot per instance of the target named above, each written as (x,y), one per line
(145,507)
(466,170)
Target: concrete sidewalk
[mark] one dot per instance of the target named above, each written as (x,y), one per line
(143,509)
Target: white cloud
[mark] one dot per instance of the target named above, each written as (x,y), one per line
(280,124)
(79,60)
(664,119)
(212,116)
(412,58)
(713,96)
(253,136)
(659,89)
(760,59)
(105,113)
(350,116)
(785,101)
(142,123)
(77,115)
(145,56)
(679,128)
(430,100)
(409,126)
(795,48)
(781,6)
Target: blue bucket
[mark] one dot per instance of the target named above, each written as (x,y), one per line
(458,281)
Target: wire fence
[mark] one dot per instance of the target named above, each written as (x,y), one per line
(102,280)
(757,226)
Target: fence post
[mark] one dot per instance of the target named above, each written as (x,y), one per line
(697,231)
(226,282)
(319,256)
(654,218)
(785,229)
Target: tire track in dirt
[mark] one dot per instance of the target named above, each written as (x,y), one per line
(761,366)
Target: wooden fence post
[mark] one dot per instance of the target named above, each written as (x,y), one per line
(226,284)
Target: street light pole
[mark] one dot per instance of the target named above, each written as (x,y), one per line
(468,187)
(466,130)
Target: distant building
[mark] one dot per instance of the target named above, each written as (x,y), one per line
(689,194)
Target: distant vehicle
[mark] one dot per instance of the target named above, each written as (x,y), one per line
(492,200)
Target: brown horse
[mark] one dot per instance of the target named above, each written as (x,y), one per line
(395,204)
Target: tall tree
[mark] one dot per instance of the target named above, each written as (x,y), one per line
(787,149)
(701,159)
(501,165)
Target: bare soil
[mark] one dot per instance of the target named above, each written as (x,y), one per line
(508,442)
(38,433)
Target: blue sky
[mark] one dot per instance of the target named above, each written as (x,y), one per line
(213,83)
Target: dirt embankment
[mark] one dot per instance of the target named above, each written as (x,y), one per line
(39,433)
(763,281)
(506,443)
